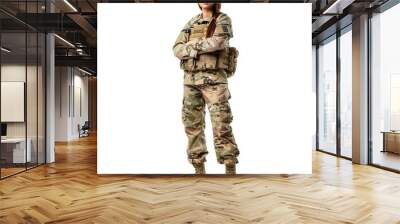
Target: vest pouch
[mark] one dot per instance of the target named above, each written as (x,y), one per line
(188,65)
(206,62)
(232,61)
(198,31)
(223,59)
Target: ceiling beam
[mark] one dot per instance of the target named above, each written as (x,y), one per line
(84,24)
(337,6)
(84,61)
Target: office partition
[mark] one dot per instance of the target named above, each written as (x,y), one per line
(22,77)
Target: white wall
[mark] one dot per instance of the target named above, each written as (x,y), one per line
(61,103)
(70,83)
(16,72)
(80,83)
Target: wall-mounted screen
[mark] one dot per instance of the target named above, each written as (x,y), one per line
(12,101)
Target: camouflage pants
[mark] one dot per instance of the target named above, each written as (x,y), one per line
(216,98)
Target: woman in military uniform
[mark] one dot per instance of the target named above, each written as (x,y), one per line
(207,61)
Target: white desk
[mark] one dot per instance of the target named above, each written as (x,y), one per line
(18,149)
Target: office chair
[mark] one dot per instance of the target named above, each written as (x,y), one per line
(84,130)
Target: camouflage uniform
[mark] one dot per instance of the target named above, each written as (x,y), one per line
(206,88)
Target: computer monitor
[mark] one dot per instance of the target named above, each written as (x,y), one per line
(3,129)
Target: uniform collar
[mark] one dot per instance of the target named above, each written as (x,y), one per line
(200,18)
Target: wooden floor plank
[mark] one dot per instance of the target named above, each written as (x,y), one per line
(70,191)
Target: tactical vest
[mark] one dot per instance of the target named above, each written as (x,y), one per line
(225,59)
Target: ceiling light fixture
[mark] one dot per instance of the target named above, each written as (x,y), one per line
(84,71)
(70,5)
(337,7)
(5,50)
(64,40)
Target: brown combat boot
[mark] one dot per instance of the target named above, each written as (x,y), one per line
(200,168)
(230,167)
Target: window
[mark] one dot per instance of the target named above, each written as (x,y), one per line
(327,96)
(346,92)
(385,89)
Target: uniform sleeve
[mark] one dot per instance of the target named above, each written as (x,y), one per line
(181,49)
(219,40)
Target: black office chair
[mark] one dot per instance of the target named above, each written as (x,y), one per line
(84,130)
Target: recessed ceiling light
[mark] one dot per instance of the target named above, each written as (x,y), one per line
(84,71)
(64,40)
(338,6)
(70,5)
(5,50)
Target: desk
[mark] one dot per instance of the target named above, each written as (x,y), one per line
(391,141)
(13,150)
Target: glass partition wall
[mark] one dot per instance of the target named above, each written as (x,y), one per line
(13,110)
(385,89)
(334,75)
(22,89)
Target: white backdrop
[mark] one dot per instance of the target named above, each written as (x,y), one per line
(140,88)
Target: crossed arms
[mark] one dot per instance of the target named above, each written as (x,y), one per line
(185,49)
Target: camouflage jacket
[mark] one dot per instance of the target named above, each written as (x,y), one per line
(183,48)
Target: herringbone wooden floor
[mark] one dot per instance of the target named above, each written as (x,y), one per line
(70,191)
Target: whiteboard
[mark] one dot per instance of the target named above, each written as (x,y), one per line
(12,101)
